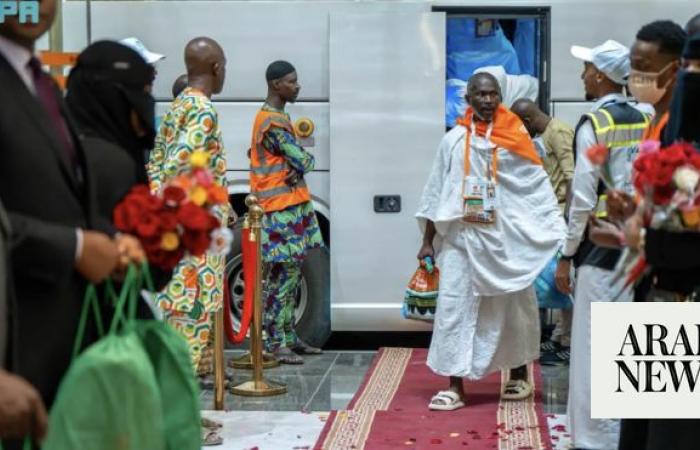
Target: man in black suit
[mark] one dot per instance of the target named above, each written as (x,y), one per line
(46,192)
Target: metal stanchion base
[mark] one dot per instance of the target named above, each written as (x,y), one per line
(262,388)
(246,362)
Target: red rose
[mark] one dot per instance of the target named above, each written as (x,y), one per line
(196,242)
(173,196)
(151,244)
(213,223)
(662,176)
(140,195)
(673,155)
(168,221)
(140,190)
(148,225)
(694,160)
(193,217)
(124,217)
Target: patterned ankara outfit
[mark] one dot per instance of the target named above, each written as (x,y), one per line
(288,234)
(195,291)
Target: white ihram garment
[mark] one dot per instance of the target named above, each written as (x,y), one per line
(487,318)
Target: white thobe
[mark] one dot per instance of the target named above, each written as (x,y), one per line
(487,318)
(593,284)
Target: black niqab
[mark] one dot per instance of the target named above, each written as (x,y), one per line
(106,85)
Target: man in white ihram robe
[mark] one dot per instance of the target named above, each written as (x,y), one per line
(487,318)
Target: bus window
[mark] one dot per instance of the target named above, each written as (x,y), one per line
(508,43)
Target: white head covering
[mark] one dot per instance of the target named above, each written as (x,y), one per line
(513,87)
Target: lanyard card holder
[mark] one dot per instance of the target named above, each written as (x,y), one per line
(479,200)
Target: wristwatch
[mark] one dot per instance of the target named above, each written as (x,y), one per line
(567,258)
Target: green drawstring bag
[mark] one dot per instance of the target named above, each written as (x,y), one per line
(179,389)
(110,397)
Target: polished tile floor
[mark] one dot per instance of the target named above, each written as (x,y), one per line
(325,382)
(328,381)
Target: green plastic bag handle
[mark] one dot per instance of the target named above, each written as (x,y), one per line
(131,288)
(90,300)
(124,295)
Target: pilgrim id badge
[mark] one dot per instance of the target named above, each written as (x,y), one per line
(479,200)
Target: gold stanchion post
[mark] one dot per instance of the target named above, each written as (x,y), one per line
(258,386)
(219,370)
(246,360)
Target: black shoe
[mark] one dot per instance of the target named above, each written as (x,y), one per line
(557,358)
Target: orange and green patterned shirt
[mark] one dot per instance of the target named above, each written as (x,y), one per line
(191,124)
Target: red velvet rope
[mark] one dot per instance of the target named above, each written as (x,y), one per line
(249,250)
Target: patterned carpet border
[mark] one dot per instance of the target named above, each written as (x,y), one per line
(517,421)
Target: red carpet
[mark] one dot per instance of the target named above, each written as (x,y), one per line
(390,411)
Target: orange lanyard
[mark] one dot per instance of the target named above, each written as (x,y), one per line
(467,152)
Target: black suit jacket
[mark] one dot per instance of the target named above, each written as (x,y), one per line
(46,200)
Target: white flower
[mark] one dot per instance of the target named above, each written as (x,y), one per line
(221,240)
(686,178)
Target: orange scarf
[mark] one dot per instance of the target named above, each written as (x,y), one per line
(508,133)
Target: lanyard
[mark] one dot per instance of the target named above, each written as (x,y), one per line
(467,151)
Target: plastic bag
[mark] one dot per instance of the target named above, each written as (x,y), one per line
(466,52)
(548,296)
(179,389)
(420,300)
(132,390)
(455,103)
(109,399)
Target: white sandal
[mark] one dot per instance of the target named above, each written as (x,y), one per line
(450,401)
(516,390)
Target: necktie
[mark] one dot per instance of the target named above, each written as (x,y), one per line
(46,94)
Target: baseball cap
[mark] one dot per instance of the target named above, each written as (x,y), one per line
(137,45)
(611,58)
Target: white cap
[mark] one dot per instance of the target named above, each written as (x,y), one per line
(611,58)
(136,45)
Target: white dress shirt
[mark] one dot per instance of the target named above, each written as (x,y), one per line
(19,58)
(584,186)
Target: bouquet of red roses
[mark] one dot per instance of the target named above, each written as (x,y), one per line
(667,180)
(179,220)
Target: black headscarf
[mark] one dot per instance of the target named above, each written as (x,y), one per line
(684,119)
(106,84)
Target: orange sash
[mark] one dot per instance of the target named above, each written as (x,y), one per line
(508,133)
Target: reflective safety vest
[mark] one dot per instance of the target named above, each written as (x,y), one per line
(268,171)
(620,126)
